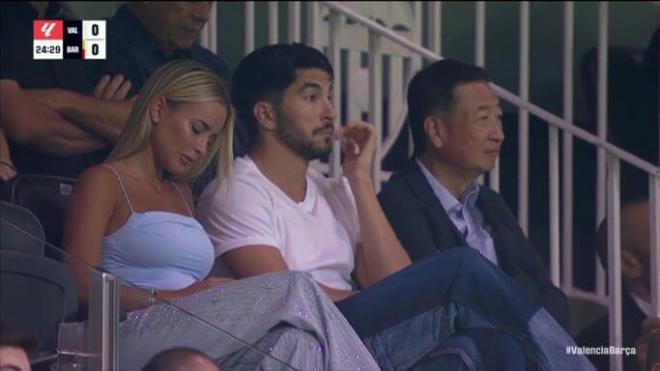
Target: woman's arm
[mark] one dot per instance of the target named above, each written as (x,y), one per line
(95,199)
(93,202)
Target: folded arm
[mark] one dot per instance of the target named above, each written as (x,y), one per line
(103,118)
(30,122)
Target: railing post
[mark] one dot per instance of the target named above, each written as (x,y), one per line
(435,27)
(376,101)
(408,74)
(209,35)
(417,34)
(523,121)
(602,131)
(553,178)
(273,22)
(294,22)
(249,27)
(480,33)
(614,258)
(480,60)
(654,220)
(103,318)
(567,179)
(313,24)
(334,54)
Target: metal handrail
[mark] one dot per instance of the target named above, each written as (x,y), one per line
(502,93)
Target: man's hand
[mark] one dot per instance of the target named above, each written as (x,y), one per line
(7,168)
(359,142)
(114,88)
(650,328)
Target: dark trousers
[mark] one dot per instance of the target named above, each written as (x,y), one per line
(416,314)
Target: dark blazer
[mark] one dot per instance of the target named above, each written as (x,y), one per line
(424,228)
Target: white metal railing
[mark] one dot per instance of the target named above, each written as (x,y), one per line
(523,121)
(405,53)
(602,132)
(567,163)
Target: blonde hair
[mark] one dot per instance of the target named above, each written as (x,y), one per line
(180,81)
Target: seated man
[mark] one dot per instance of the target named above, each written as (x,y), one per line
(638,324)
(434,203)
(276,214)
(144,36)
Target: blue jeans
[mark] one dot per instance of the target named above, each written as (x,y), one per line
(476,349)
(413,315)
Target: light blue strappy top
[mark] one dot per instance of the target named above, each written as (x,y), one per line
(157,249)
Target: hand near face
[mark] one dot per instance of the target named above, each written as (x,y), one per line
(7,171)
(359,143)
(650,329)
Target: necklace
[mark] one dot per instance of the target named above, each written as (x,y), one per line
(156,184)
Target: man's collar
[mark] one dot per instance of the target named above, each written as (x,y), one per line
(447,199)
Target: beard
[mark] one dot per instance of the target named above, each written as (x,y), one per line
(292,135)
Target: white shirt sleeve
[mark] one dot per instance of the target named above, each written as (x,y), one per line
(230,226)
(342,200)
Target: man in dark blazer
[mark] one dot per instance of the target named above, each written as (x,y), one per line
(638,324)
(434,203)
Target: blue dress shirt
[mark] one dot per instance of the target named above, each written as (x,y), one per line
(464,214)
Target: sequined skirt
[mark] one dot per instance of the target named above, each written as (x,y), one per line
(277,321)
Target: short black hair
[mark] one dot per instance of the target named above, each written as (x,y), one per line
(432,90)
(11,335)
(267,72)
(173,359)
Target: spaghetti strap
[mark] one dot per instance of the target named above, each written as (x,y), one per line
(121,184)
(184,200)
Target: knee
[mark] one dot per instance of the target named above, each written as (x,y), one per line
(298,337)
(298,346)
(461,256)
(471,259)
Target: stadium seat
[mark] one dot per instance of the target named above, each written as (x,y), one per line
(20,229)
(47,197)
(37,294)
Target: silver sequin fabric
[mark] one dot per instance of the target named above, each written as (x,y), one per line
(283,321)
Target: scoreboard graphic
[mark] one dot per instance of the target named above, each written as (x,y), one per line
(58,39)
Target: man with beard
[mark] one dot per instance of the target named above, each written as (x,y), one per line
(275,213)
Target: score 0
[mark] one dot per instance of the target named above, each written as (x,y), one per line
(94,39)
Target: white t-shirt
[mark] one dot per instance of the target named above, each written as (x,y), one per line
(317,235)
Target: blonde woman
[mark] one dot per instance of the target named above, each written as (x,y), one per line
(133,216)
